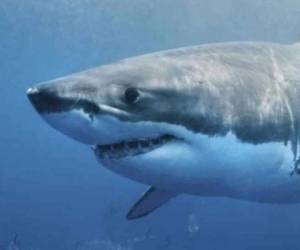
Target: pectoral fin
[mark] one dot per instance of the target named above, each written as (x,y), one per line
(153,198)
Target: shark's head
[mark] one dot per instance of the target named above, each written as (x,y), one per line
(129,109)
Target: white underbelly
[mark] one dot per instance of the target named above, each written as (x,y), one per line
(217,166)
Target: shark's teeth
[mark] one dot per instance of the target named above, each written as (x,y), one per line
(131,147)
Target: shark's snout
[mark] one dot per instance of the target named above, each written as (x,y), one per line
(46,100)
(34,95)
(37,98)
(64,109)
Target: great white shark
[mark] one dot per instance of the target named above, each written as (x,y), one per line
(211,120)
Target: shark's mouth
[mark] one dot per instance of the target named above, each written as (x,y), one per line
(132,147)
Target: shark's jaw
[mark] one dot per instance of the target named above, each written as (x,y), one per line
(132,147)
(111,138)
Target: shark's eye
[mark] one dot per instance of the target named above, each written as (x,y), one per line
(131,95)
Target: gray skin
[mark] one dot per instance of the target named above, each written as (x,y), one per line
(250,89)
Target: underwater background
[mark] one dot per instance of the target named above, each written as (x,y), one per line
(53,193)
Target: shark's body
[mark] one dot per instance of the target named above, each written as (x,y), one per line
(213,120)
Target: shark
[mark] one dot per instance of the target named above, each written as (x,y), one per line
(217,120)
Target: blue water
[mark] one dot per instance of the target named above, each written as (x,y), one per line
(53,193)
